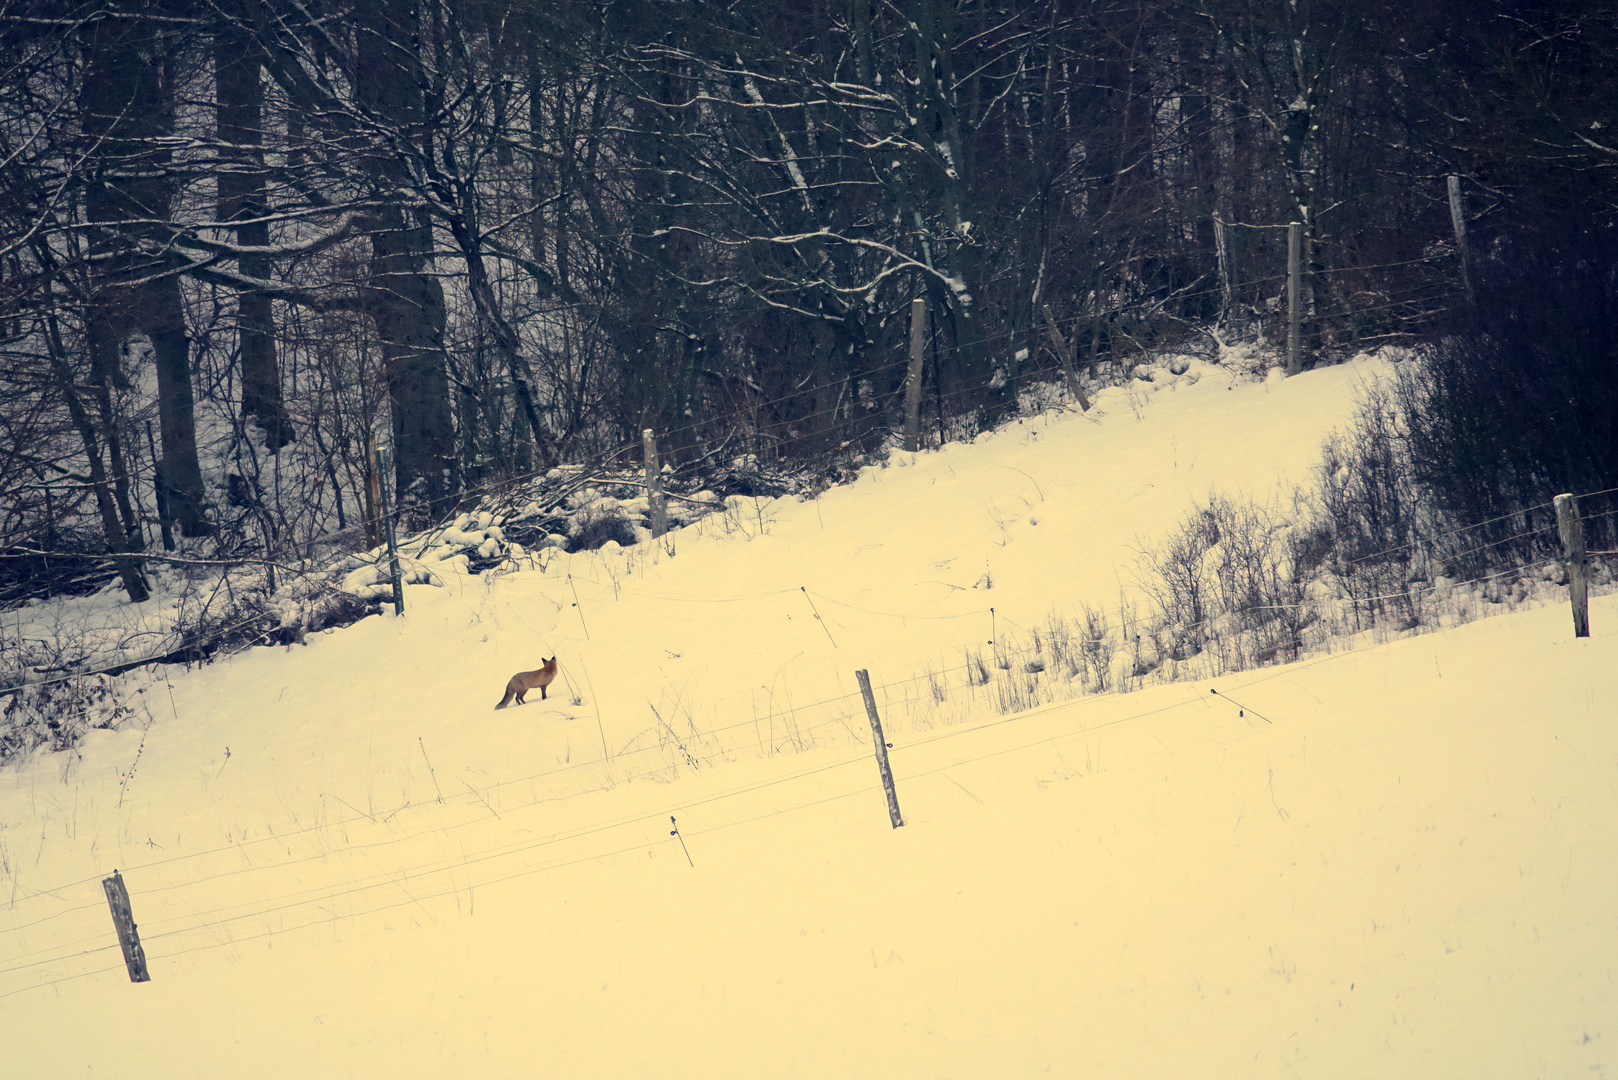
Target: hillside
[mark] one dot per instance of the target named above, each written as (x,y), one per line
(1392,859)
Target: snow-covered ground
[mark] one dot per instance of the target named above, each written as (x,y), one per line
(1393,860)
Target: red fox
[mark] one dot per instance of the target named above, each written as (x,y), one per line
(524,681)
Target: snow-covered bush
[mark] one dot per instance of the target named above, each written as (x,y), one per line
(55,715)
(601,520)
(1517,401)
(1369,546)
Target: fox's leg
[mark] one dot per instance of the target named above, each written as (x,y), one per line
(520,694)
(542,693)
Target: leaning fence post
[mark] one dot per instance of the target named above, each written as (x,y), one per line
(1294,298)
(1575,558)
(1227,268)
(864,678)
(382,463)
(657,503)
(918,320)
(123,919)
(1457,220)
(1064,353)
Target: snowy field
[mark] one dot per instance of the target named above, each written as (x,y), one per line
(1397,859)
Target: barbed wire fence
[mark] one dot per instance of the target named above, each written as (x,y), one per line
(914,698)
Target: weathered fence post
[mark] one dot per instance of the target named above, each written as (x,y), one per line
(1227,269)
(657,503)
(382,463)
(1457,219)
(1294,298)
(1575,558)
(918,320)
(1064,352)
(864,678)
(123,919)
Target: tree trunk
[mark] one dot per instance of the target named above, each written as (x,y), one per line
(947,172)
(164,320)
(128,113)
(407,302)
(408,306)
(239,95)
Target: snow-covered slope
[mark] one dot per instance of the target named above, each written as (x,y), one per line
(1394,860)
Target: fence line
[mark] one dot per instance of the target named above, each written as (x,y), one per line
(449,866)
(794,711)
(478,793)
(481,792)
(208,920)
(392,878)
(125,665)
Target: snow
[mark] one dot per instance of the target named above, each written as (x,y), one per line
(1395,859)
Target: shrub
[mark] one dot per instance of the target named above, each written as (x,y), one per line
(1517,400)
(57,714)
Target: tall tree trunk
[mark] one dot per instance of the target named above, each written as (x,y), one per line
(163,318)
(947,177)
(127,112)
(407,302)
(537,167)
(239,94)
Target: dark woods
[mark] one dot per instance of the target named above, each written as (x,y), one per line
(245,243)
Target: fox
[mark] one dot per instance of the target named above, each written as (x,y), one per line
(524,681)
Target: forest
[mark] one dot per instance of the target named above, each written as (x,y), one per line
(263,260)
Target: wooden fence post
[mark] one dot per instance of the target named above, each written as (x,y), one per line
(1575,558)
(655,499)
(918,320)
(1227,269)
(1294,298)
(1457,219)
(382,463)
(123,919)
(864,678)
(1064,352)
